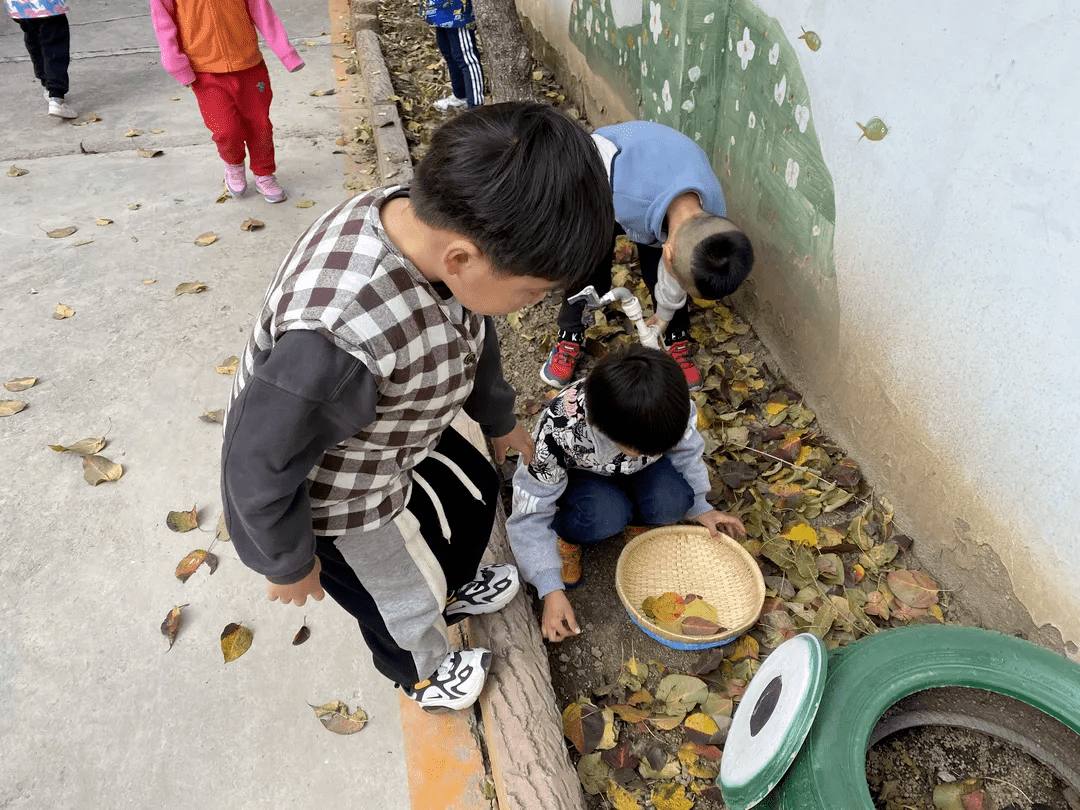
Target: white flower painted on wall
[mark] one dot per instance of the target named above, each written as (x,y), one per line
(694,73)
(780,90)
(802,116)
(588,20)
(644,68)
(709,18)
(753,120)
(745,48)
(666,95)
(774,53)
(656,25)
(688,105)
(791,174)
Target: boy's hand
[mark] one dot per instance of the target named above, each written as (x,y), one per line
(519,440)
(558,621)
(298,592)
(716,521)
(298,67)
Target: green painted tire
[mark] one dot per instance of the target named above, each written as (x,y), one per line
(867,677)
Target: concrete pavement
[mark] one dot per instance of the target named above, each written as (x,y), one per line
(94,711)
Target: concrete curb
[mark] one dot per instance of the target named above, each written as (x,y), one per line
(521,727)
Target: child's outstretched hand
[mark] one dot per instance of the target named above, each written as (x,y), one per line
(717,521)
(517,438)
(558,621)
(298,592)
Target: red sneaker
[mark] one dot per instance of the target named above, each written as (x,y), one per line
(558,371)
(680,351)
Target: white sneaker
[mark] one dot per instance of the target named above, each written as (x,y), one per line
(451,101)
(493,589)
(456,684)
(58,108)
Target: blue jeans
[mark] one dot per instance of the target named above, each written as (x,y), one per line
(595,507)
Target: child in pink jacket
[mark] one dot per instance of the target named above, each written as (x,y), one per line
(213,48)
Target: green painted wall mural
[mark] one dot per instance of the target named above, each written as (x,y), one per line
(726,74)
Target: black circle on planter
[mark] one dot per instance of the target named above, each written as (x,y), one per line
(766,705)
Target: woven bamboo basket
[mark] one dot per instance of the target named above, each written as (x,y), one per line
(685,559)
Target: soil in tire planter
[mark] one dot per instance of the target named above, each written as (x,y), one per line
(903,769)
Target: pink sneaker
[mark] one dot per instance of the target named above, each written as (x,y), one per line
(235,179)
(268,185)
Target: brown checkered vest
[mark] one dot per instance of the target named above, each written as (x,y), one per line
(346,280)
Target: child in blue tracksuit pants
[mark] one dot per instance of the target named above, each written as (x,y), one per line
(455,35)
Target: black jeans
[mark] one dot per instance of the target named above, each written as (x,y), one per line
(48,42)
(571,316)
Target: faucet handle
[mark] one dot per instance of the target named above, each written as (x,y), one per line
(589,296)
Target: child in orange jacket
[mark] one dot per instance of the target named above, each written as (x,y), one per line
(213,48)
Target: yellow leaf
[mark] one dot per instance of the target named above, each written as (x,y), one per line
(20,384)
(620,797)
(91,117)
(171,625)
(83,242)
(744,647)
(189,287)
(83,447)
(133,207)
(156,131)
(802,534)
(148,153)
(670,796)
(60,233)
(15,171)
(190,564)
(103,221)
(183,521)
(10,407)
(335,717)
(97,469)
(804,454)
(149,281)
(62,312)
(235,641)
(695,764)
(132,133)
(773,408)
(250,224)
(229,366)
(305,203)
(204,239)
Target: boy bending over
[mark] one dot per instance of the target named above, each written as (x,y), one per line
(669,203)
(339,469)
(620,447)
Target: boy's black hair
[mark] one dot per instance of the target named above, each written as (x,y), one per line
(720,262)
(639,398)
(524,183)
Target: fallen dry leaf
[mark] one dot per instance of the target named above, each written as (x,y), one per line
(98,469)
(156,131)
(223,197)
(131,133)
(62,312)
(10,407)
(913,588)
(83,242)
(174,98)
(133,207)
(171,625)
(214,416)
(305,203)
(60,233)
(103,221)
(91,117)
(15,171)
(83,447)
(229,365)
(302,635)
(335,717)
(190,287)
(148,153)
(20,384)
(190,564)
(183,521)
(222,531)
(235,641)
(149,281)
(251,224)
(204,239)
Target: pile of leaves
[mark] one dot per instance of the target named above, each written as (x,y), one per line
(688,615)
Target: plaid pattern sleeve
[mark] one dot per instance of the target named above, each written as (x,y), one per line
(347,280)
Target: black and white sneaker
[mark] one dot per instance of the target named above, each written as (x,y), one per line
(456,684)
(493,589)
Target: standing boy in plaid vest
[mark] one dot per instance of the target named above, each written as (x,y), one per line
(340,470)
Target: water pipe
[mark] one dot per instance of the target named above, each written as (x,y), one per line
(649,335)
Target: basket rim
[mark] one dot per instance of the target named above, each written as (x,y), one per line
(645,622)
